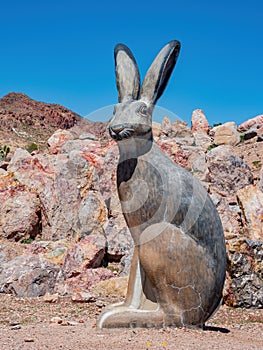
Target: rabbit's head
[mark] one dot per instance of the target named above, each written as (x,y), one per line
(132,116)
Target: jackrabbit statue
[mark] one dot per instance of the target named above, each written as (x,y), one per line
(178,267)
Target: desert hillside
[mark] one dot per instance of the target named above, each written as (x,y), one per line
(28,123)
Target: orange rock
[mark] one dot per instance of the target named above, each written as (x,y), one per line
(226,134)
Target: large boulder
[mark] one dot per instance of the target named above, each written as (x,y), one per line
(86,254)
(253,122)
(68,187)
(178,130)
(226,134)
(230,215)
(20,216)
(29,276)
(55,251)
(251,202)
(19,209)
(199,122)
(227,172)
(174,151)
(84,282)
(203,140)
(58,139)
(244,284)
(9,250)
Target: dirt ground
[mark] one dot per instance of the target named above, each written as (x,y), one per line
(32,324)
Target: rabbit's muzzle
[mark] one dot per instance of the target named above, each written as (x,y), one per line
(118,132)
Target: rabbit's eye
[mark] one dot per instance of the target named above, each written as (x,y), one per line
(142,110)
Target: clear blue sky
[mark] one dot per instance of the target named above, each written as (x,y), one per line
(62,52)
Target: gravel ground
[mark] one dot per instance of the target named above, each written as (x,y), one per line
(27,324)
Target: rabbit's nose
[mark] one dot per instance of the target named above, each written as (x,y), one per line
(116,129)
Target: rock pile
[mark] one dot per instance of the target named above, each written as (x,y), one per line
(61,211)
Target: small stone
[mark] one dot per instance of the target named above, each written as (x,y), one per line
(56,319)
(29,340)
(83,297)
(51,298)
(88,136)
(100,303)
(16,327)
(72,323)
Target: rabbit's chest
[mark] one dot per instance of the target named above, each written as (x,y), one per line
(141,193)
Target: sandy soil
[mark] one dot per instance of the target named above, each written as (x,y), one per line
(34,324)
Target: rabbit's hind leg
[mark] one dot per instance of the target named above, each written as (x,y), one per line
(178,270)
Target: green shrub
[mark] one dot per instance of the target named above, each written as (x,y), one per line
(242,138)
(4,151)
(211,147)
(256,163)
(216,124)
(32,147)
(28,241)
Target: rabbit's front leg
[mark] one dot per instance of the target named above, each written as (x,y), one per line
(134,297)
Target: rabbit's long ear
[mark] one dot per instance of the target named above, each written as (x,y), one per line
(127,73)
(159,72)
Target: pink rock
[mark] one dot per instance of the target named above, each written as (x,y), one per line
(68,187)
(166,126)
(88,149)
(86,146)
(180,130)
(230,217)
(85,280)
(57,140)
(258,120)
(174,151)
(88,253)
(29,276)
(227,173)
(199,122)
(19,209)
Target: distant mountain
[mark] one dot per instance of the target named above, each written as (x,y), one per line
(24,121)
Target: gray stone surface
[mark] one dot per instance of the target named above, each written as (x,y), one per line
(245,282)
(28,276)
(227,173)
(20,216)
